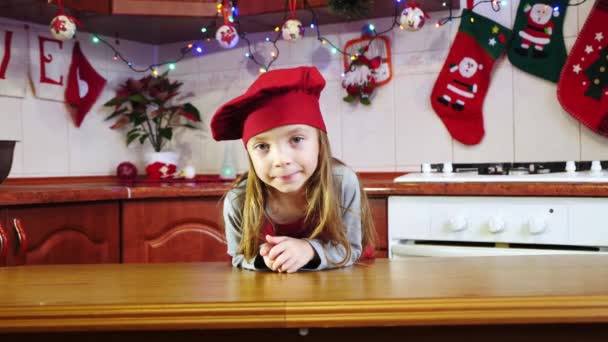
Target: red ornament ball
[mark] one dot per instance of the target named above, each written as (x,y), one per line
(126,171)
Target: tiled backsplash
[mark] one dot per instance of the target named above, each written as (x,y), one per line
(523,120)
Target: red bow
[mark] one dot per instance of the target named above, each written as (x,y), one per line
(414,5)
(62,12)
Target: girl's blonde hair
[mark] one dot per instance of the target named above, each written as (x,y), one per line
(323,210)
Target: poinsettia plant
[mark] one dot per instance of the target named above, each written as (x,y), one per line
(147,107)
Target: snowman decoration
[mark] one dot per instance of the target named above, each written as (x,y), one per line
(227,36)
(539,29)
(63,27)
(413,17)
(292,30)
(463,86)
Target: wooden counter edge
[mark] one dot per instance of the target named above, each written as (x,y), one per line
(450,311)
(306,314)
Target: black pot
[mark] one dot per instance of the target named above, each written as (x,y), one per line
(7,147)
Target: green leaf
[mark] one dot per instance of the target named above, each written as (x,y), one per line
(133,131)
(116,101)
(143,138)
(132,137)
(166,133)
(190,109)
(116,113)
(137,118)
(138,98)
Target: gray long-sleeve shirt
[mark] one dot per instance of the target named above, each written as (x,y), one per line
(350,199)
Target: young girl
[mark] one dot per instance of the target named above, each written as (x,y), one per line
(297,208)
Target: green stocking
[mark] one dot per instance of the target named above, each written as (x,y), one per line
(538,39)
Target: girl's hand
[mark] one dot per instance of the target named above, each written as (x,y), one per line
(288,254)
(264,250)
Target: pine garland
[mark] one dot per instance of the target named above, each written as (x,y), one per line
(351,9)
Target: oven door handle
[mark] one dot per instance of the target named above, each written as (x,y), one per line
(413,250)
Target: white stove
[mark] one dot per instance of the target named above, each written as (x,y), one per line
(497,225)
(557,177)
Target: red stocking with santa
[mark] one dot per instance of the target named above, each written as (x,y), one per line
(463,82)
(583,86)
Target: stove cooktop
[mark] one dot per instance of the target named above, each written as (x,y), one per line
(567,172)
(558,177)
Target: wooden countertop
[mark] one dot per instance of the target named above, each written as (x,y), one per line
(378,184)
(417,291)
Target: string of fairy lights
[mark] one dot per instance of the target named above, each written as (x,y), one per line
(228,10)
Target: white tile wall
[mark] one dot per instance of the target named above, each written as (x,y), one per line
(523,120)
(420,134)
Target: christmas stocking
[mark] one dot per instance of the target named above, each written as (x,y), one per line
(83,87)
(583,86)
(462,84)
(538,39)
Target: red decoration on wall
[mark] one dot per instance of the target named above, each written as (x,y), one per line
(47,59)
(8,35)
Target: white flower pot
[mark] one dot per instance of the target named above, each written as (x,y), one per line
(163,157)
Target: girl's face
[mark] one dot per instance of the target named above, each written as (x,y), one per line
(286,156)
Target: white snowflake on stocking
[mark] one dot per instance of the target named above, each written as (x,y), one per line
(589,49)
(576,68)
(599,36)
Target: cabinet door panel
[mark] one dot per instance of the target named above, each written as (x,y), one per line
(81,233)
(5,238)
(378,209)
(178,230)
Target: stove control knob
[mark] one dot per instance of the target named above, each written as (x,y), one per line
(447,167)
(496,224)
(458,223)
(426,168)
(570,166)
(537,225)
(596,166)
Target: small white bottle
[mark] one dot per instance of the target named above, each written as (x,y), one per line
(228,170)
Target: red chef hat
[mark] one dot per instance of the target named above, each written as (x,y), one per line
(276,98)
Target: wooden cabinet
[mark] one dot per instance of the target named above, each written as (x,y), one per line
(189,230)
(378,207)
(173,230)
(145,231)
(81,233)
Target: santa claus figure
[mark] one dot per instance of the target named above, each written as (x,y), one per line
(463,85)
(539,29)
(359,81)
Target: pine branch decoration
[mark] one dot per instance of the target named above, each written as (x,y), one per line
(351,9)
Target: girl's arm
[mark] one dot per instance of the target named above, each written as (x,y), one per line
(232,222)
(329,253)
